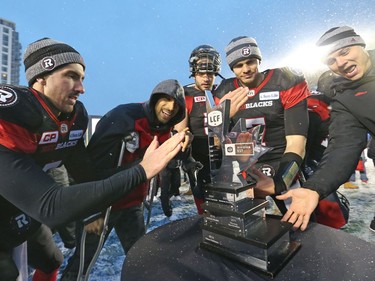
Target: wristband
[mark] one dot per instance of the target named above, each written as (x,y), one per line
(287,172)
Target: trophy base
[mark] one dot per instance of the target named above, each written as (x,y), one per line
(266,248)
(237,217)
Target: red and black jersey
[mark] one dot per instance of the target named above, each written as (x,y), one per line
(137,122)
(196,109)
(29,126)
(269,104)
(32,140)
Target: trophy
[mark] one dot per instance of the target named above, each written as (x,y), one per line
(235,224)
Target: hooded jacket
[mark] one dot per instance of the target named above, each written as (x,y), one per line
(352,116)
(135,125)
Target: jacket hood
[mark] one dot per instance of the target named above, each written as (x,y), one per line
(173,89)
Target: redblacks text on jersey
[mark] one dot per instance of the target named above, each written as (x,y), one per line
(281,90)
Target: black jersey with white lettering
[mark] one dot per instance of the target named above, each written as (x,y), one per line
(268,104)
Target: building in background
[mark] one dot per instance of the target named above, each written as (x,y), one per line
(10,53)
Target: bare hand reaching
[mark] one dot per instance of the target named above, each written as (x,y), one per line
(157,157)
(237,98)
(304,202)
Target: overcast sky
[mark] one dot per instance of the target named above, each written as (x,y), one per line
(130,46)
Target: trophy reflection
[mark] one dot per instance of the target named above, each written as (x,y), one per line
(235,223)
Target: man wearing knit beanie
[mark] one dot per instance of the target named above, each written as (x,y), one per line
(276,99)
(339,37)
(241,48)
(43,127)
(352,117)
(45,55)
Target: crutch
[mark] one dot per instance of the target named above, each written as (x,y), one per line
(80,276)
(147,203)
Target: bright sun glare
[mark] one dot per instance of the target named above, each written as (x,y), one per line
(305,57)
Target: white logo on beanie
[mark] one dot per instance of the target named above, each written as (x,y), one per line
(246,51)
(48,63)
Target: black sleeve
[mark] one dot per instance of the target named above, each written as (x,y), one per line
(347,139)
(223,88)
(105,144)
(79,165)
(297,119)
(25,185)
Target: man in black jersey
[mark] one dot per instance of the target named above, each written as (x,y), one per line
(352,117)
(41,127)
(276,99)
(204,66)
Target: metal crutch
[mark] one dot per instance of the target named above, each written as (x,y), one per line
(151,193)
(80,276)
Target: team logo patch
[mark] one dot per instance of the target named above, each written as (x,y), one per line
(246,51)
(8,96)
(20,223)
(48,63)
(64,128)
(268,170)
(215,118)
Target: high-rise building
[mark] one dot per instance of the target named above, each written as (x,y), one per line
(10,53)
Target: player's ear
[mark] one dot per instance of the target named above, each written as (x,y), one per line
(41,80)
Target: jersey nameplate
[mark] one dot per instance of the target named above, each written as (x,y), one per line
(200,99)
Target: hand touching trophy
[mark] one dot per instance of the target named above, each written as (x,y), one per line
(235,223)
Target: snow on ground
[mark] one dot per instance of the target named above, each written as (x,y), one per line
(362,210)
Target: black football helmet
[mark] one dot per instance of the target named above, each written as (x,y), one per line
(204,59)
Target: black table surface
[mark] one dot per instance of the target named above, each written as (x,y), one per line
(172,252)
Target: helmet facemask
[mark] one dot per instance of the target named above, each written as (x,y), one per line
(204,59)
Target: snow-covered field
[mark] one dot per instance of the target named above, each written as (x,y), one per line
(362,210)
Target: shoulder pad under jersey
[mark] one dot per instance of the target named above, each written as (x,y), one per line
(224,87)
(19,106)
(288,77)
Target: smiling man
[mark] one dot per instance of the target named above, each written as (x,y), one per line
(352,117)
(276,99)
(141,122)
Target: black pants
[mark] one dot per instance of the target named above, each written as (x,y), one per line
(42,254)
